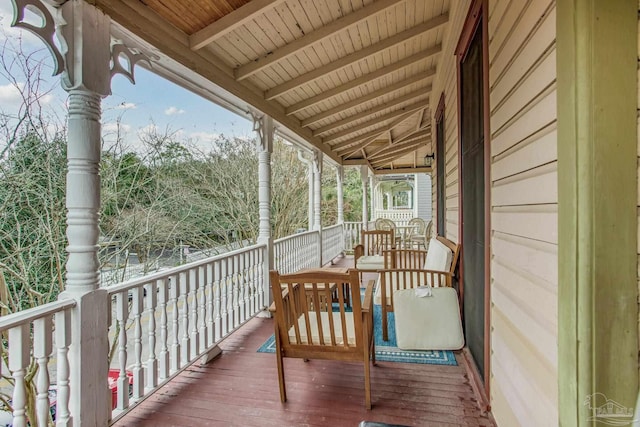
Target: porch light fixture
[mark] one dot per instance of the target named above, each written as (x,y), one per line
(428,159)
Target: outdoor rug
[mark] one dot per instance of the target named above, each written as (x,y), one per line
(386,351)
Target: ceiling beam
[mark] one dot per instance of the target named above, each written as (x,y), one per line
(390,147)
(309,39)
(358,55)
(371,111)
(369,97)
(368,141)
(355,162)
(410,133)
(366,79)
(230,22)
(396,154)
(369,136)
(402,170)
(375,121)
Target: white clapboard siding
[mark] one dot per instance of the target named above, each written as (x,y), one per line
(446,82)
(524,212)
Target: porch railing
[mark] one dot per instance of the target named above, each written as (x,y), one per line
(295,252)
(164,321)
(351,235)
(158,325)
(332,243)
(399,216)
(30,338)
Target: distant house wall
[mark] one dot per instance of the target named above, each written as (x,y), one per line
(423,196)
(524,214)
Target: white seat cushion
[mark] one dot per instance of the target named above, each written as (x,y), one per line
(439,256)
(429,323)
(326,329)
(370,262)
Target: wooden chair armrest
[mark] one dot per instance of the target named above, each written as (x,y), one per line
(367,304)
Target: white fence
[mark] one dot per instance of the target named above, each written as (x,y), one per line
(295,252)
(31,337)
(164,321)
(332,243)
(399,216)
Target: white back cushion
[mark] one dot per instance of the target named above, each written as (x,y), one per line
(439,256)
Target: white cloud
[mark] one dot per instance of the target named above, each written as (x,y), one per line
(126,106)
(10,95)
(204,136)
(171,111)
(113,127)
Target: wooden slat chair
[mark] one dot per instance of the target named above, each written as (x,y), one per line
(438,269)
(306,327)
(368,255)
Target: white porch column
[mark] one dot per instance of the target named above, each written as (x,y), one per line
(340,190)
(364,172)
(86,67)
(311,181)
(264,127)
(372,186)
(317,205)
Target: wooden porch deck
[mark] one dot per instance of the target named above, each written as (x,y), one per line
(240,388)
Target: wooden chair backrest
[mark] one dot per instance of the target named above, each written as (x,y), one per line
(404,258)
(308,324)
(455,248)
(376,241)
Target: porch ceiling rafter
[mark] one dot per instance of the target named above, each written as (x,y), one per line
(370,112)
(154,29)
(392,171)
(230,22)
(367,79)
(370,136)
(390,147)
(309,39)
(356,56)
(389,116)
(411,132)
(367,98)
(395,155)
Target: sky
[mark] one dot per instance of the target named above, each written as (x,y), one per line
(152,101)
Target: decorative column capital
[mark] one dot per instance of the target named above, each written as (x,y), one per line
(264,127)
(87,57)
(317,161)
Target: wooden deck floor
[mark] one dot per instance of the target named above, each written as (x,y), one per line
(240,388)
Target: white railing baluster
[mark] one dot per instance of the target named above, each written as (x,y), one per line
(224,282)
(122,314)
(194,334)
(173,302)
(217,288)
(19,353)
(163,360)
(242,283)
(247,286)
(63,340)
(261,279)
(236,288)
(152,362)
(209,291)
(138,372)
(186,340)
(202,303)
(42,347)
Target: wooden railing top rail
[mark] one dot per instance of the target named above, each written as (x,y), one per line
(293,236)
(27,316)
(133,283)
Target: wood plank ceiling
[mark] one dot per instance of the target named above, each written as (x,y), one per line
(352,77)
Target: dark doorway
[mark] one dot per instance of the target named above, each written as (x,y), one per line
(440,166)
(472,135)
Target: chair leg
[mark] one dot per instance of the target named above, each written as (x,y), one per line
(372,349)
(385,331)
(279,363)
(367,382)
